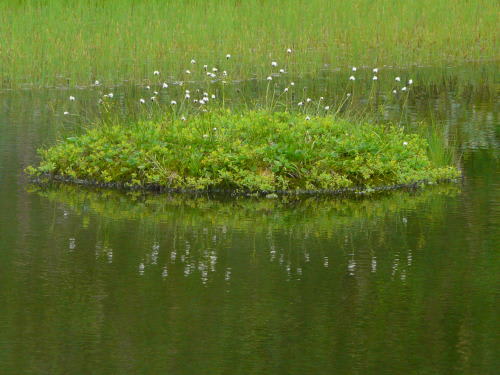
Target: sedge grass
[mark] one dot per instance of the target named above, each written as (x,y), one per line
(57,42)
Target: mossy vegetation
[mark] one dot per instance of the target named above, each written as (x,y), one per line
(251,151)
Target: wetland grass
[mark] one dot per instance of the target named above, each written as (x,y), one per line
(61,43)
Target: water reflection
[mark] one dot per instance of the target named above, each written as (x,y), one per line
(192,236)
(100,282)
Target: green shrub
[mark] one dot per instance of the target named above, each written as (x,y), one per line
(251,151)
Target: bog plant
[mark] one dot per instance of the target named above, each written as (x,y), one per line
(254,151)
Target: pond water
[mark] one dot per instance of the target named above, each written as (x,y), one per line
(99,282)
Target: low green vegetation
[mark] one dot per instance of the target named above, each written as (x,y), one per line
(73,43)
(251,151)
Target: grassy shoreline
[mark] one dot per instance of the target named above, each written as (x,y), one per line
(251,151)
(56,42)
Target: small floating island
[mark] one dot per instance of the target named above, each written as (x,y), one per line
(251,152)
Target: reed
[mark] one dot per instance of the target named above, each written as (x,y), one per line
(59,42)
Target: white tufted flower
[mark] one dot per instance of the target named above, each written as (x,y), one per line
(352,78)
(193,61)
(156,73)
(375,70)
(228,56)
(327,108)
(142,101)
(173,102)
(274,63)
(269,78)
(165,85)
(397,79)
(375,78)
(354,68)
(72,98)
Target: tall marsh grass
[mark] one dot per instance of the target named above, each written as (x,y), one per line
(60,42)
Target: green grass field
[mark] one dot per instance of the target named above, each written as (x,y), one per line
(60,42)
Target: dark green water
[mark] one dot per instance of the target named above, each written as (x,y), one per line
(103,283)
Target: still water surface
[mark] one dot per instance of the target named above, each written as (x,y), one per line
(98,282)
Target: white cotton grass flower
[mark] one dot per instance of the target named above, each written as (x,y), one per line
(398,79)
(282,71)
(375,70)
(289,50)
(72,98)
(195,100)
(327,108)
(153,98)
(205,66)
(214,129)
(352,78)
(214,69)
(224,73)
(142,101)
(269,78)
(156,73)
(403,88)
(228,56)
(292,83)
(155,92)
(308,100)
(188,92)
(97,83)
(285,89)
(300,104)
(348,94)
(394,91)
(213,96)
(193,61)
(188,71)
(274,63)
(165,85)
(354,68)
(66,113)
(375,78)
(410,81)
(307,118)
(148,87)
(405,143)
(205,135)
(187,96)
(173,102)
(321,98)
(213,75)
(183,118)
(110,95)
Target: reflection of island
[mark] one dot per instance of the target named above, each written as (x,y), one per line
(286,231)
